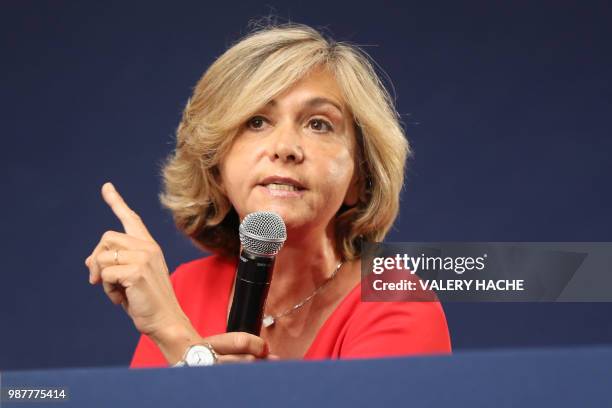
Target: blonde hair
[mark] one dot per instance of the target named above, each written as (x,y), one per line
(242,80)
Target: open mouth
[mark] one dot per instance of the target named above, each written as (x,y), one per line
(282,187)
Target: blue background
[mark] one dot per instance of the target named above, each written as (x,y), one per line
(507,107)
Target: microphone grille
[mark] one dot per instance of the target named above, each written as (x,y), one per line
(263,233)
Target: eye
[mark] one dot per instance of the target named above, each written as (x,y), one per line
(321,125)
(256,122)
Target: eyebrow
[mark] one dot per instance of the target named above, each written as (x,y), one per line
(314,102)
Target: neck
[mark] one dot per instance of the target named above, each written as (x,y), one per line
(304,263)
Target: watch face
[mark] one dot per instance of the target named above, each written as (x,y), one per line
(199,355)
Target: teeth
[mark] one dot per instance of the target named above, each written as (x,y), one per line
(285,187)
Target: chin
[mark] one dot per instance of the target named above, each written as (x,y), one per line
(291,217)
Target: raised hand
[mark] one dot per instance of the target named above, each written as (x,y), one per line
(131,267)
(133,272)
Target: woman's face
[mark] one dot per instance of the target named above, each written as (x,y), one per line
(295,156)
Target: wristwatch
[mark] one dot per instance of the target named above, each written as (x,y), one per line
(198,355)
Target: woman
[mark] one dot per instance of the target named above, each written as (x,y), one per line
(291,122)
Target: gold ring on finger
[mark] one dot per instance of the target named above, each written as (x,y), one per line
(116,257)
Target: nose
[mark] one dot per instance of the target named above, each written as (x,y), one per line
(286,145)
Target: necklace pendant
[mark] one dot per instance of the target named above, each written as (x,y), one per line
(268,321)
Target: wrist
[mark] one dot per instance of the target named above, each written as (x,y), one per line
(174,339)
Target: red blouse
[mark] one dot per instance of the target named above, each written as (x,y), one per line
(355,329)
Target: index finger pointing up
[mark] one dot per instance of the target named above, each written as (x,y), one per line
(132,224)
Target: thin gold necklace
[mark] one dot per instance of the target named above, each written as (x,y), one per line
(269,320)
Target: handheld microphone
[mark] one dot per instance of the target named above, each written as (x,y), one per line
(262,234)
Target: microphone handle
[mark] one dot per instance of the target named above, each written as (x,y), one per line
(253,277)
